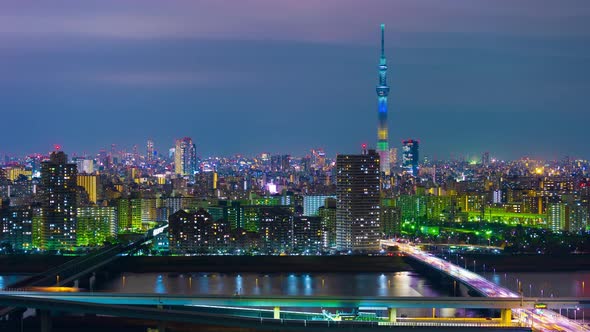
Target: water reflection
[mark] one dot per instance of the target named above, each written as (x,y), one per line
(307,284)
(239,284)
(295,284)
(7,280)
(159,286)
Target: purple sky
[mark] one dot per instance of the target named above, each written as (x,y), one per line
(466,76)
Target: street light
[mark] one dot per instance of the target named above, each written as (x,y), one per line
(474,266)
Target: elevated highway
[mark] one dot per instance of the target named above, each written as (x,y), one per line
(544,320)
(303,301)
(208,315)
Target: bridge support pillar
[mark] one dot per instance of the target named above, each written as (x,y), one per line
(45,318)
(506,316)
(161,326)
(277,313)
(392,313)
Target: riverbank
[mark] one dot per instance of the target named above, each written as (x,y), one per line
(10,264)
(260,264)
(526,263)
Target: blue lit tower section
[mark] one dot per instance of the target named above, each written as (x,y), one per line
(382,92)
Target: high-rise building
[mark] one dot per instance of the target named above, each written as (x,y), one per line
(393,157)
(382,93)
(59,206)
(196,233)
(85,165)
(485,158)
(276,230)
(13,173)
(390,218)
(90,185)
(185,157)
(318,159)
(578,217)
(312,204)
(556,216)
(16,227)
(150,150)
(358,201)
(307,235)
(410,156)
(2,175)
(328,215)
(96,224)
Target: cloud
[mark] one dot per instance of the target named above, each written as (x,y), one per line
(302,20)
(156,78)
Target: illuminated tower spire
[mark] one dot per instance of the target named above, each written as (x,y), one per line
(382,92)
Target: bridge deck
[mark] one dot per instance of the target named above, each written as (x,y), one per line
(539,319)
(305,301)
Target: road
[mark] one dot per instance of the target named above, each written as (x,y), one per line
(542,320)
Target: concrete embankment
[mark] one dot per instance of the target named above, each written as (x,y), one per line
(518,263)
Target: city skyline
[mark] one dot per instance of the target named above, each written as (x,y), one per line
(464,79)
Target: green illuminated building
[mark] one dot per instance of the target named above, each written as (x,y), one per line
(96,224)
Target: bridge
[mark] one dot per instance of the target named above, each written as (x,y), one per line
(384,302)
(73,270)
(465,246)
(248,311)
(539,319)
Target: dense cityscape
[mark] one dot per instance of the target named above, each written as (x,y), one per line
(282,204)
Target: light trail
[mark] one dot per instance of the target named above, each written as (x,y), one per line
(542,320)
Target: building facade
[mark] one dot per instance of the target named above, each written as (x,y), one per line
(358,202)
(185,157)
(59,205)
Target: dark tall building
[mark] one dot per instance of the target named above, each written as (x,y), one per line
(358,201)
(410,156)
(59,206)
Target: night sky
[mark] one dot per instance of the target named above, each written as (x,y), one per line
(241,76)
